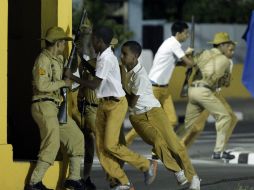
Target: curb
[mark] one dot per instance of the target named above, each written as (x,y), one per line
(242,158)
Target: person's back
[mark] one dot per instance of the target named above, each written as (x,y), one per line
(165,60)
(212,64)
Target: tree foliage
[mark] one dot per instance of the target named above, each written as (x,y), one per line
(205,11)
(100,15)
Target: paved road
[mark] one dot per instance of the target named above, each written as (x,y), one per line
(216,175)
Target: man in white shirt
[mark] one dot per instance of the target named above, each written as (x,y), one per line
(111,114)
(168,55)
(150,121)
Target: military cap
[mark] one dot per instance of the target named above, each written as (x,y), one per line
(221,37)
(56,33)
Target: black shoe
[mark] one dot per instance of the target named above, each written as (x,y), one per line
(113,183)
(223,155)
(216,155)
(37,186)
(227,156)
(112,186)
(74,184)
(89,184)
(154,156)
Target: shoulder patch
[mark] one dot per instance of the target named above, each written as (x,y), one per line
(42,71)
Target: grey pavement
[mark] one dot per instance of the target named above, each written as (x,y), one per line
(215,174)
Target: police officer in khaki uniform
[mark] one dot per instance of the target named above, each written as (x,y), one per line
(198,126)
(213,64)
(149,119)
(47,81)
(87,102)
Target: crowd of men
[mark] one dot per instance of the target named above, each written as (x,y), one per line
(108,89)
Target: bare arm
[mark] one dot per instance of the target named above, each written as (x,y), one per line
(187,60)
(92,84)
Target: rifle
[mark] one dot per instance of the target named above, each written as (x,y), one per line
(184,91)
(62,113)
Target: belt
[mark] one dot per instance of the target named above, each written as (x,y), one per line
(45,100)
(201,85)
(91,104)
(111,98)
(160,85)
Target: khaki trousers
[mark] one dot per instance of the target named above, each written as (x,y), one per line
(153,128)
(201,99)
(89,133)
(73,107)
(165,99)
(109,119)
(52,134)
(130,136)
(189,137)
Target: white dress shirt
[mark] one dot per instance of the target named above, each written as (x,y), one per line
(139,84)
(164,61)
(107,69)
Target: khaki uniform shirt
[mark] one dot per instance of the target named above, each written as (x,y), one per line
(47,76)
(212,65)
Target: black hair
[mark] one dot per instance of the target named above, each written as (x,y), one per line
(134,46)
(178,26)
(104,33)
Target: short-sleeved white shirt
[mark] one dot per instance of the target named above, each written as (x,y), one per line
(139,84)
(107,69)
(164,61)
